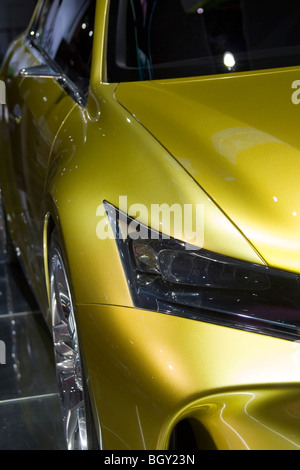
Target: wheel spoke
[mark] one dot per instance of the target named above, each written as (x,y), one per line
(76,428)
(65,351)
(61,332)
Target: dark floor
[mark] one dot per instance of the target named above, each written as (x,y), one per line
(29,406)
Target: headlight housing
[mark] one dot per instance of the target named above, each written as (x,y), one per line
(168,276)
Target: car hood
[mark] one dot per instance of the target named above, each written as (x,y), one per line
(238,137)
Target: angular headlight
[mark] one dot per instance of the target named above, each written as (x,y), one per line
(168,276)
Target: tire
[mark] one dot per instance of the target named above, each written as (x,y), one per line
(74,399)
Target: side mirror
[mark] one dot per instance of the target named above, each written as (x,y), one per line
(41,71)
(45,71)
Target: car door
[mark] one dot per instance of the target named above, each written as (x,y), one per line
(47,76)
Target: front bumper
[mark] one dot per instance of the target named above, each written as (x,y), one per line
(147,372)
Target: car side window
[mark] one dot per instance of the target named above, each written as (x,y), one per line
(65,33)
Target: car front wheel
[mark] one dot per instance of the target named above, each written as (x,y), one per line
(69,370)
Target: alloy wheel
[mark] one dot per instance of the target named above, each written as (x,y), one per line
(67,356)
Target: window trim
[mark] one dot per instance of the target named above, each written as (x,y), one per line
(41,55)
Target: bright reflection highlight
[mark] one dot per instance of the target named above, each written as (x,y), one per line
(232,428)
(229,60)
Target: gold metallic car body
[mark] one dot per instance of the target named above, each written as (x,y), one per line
(148,371)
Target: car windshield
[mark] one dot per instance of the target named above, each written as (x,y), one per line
(157,39)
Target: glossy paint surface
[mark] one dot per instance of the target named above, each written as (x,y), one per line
(239,145)
(155,370)
(219,142)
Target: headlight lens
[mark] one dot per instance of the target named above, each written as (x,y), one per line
(168,276)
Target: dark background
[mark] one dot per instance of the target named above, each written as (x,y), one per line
(15,16)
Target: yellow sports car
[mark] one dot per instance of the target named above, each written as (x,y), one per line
(150,171)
